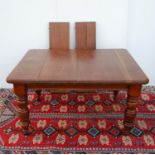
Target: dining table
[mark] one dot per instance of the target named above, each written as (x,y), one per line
(77,70)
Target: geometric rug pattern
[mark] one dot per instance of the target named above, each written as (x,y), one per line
(77,123)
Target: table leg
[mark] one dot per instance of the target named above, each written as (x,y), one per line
(132,102)
(115,95)
(38,92)
(22,109)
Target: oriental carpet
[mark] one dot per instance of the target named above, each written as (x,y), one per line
(77,123)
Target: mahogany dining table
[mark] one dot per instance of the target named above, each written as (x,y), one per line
(77,69)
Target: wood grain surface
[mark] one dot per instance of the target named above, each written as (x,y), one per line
(85,35)
(106,66)
(59,37)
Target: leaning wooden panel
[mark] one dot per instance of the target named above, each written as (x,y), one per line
(81,35)
(59,35)
(91,35)
(85,36)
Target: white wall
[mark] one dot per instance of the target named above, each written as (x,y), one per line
(141,35)
(24,25)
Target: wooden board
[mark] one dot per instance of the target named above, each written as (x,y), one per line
(59,35)
(85,36)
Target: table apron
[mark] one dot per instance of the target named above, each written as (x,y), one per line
(82,86)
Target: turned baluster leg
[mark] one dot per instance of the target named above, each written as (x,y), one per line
(115,94)
(22,109)
(132,102)
(38,92)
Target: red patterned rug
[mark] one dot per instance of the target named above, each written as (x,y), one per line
(77,123)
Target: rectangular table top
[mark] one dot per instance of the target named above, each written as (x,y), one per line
(106,66)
